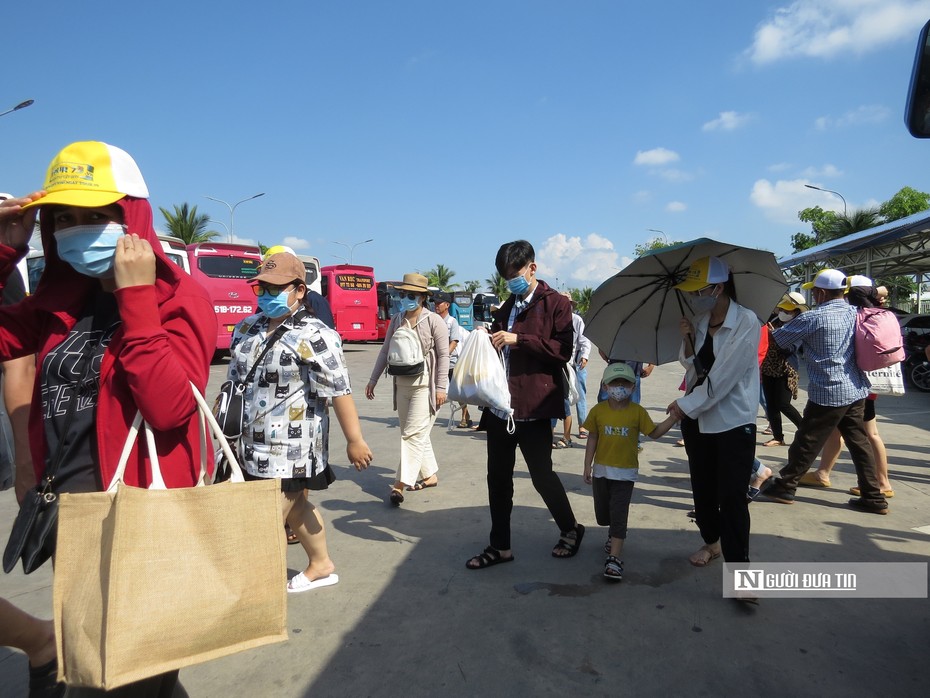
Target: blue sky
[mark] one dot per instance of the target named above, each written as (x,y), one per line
(442,129)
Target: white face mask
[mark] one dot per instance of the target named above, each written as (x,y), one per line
(619,392)
(785,317)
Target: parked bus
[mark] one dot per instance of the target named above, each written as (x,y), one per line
(353,298)
(483,303)
(175,250)
(388,306)
(312,265)
(461,309)
(224,269)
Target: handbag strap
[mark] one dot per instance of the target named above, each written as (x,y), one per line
(205,417)
(275,336)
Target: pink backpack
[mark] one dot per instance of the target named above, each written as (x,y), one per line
(878,339)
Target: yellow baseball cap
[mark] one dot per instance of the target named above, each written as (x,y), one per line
(90,174)
(703,272)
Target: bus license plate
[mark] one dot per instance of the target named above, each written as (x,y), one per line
(356,325)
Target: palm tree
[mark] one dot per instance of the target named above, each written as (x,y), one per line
(582,298)
(472,286)
(853,222)
(498,286)
(187,224)
(440,278)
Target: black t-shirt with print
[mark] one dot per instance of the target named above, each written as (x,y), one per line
(62,370)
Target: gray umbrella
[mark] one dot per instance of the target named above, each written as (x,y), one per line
(635,314)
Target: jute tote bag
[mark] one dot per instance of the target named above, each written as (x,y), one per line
(151,580)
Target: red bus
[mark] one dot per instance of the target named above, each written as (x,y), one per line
(353,298)
(388,306)
(224,269)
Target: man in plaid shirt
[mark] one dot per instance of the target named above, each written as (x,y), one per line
(836,392)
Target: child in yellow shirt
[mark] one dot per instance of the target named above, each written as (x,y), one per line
(612,457)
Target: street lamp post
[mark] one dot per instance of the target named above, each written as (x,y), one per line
(660,232)
(351,248)
(226,227)
(232,210)
(829,191)
(21,105)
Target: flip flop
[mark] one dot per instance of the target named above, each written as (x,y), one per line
(291,536)
(299,582)
(422,485)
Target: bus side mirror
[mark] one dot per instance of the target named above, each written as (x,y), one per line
(917,112)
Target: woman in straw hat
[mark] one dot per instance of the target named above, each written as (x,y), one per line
(117,329)
(419,386)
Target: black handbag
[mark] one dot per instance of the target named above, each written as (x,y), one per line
(32,538)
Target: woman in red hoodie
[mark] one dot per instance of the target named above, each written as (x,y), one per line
(116,327)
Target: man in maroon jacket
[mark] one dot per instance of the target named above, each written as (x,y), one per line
(534,330)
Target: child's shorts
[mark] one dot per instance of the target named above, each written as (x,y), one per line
(612,504)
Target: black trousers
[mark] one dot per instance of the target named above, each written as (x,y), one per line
(778,403)
(721,466)
(816,425)
(535,441)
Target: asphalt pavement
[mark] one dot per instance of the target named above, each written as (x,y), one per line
(407,618)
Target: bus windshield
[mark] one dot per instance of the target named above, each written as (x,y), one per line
(353,298)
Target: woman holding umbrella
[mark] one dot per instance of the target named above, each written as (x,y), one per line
(718,412)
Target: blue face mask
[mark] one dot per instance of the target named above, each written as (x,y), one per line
(518,285)
(274,306)
(407,305)
(90,249)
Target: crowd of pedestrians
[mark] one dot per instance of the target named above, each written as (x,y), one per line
(114,328)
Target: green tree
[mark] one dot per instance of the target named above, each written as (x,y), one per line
(854,222)
(440,278)
(582,298)
(498,286)
(187,224)
(472,286)
(821,222)
(655,243)
(906,202)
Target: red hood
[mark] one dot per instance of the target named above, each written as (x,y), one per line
(62,290)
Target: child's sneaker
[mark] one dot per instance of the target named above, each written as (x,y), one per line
(613,569)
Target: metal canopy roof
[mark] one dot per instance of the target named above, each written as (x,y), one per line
(900,247)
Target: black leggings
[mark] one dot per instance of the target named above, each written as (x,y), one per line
(721,466)
(778,403)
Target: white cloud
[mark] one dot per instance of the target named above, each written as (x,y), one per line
(865,114)
(825,172)
(828,28)
(780,167)
(578,261)
(656,156)
(675,175)
(295,243)
(676,206)
(727,121)
(781,200)
(642,196)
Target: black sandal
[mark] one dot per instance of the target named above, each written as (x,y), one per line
(613,568)
(569,542)
(397,497)
(489,558)
(43,681)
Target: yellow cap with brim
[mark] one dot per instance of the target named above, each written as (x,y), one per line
(792,301)
(91,174)
(704,272)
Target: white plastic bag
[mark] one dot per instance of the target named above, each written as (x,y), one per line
(886,381)
(570,384)
(479,377)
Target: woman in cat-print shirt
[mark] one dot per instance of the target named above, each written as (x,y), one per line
(286,428)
